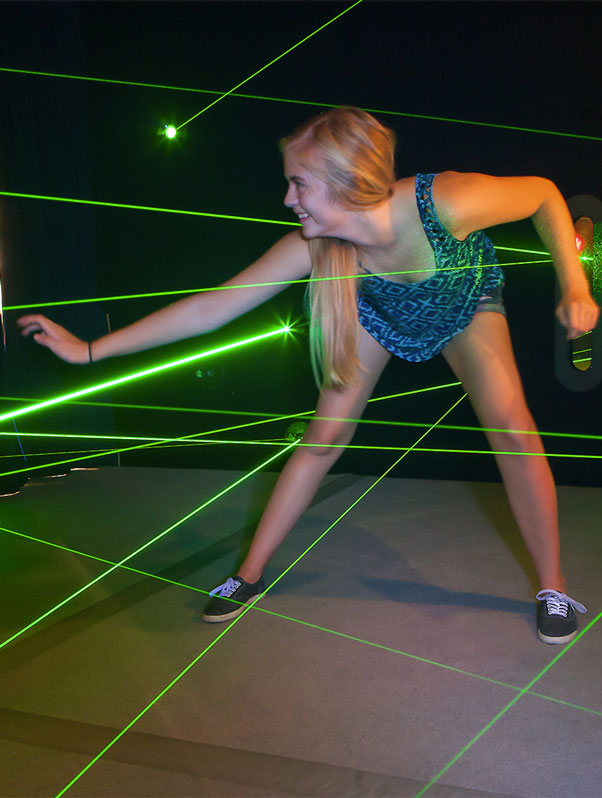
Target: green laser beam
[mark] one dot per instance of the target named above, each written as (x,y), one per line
(257,608)
(279,442)
(100,204)
(83,436)
(446,451)
(525,251)
(284,417)
(366,447)
(85,457)
(273,61)
(365,493)
(410,424)
(139,374)
(404,424)
(314,104)
(508,706)
(151,704)
(236,620)
(301,281)
(121,562)
(410,393)
(230,412)
(54,454)
(152,443)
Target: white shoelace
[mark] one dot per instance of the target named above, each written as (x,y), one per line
(558,603)
(226,590)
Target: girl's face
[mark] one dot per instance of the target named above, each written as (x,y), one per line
(307,196)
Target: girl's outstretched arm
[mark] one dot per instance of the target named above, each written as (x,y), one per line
(287,260)
(467,202)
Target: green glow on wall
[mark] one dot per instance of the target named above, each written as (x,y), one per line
(273,61)
(302,281)
(139,374)
(144,546)
(290,101)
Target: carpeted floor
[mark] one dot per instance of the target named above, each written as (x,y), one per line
(398,657)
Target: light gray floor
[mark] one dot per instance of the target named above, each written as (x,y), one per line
(383,657)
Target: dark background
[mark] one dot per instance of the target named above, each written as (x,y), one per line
(533,65)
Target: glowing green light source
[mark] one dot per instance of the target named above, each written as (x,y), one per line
(290,101)
(170,132)
(273,61)
(136,375)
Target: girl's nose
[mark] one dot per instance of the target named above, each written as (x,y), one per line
(290,198)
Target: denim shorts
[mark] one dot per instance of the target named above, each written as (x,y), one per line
(493,302)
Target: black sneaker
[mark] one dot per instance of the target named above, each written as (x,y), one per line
(556,621)
(230,599)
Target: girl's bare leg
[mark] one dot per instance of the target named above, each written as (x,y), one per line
(482,358)
(303,473)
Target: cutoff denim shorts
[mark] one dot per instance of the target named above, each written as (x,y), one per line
(493,302)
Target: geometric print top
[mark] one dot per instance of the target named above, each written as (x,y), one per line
(415,321)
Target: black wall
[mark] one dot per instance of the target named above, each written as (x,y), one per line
(533,65)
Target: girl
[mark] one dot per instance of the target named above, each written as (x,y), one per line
(436,294)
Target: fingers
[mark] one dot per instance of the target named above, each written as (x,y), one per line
(42,339)
(31,328)
(54,337)
(30,318)
(35,322)
(579,318)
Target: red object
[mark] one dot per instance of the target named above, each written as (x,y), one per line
(580,243)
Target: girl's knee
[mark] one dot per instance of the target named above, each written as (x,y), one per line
(516,435)
(328,440)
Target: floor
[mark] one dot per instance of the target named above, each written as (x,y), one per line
(397,657)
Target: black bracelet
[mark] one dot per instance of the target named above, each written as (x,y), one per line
(90,351)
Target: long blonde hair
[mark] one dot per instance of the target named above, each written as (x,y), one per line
(353,154)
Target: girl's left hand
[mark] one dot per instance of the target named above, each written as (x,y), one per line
(578,312)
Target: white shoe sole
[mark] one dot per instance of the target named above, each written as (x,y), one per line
(231,615)
(556,640)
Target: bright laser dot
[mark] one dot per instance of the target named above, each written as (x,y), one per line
(170,131)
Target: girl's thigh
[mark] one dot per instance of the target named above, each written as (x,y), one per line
(337,405)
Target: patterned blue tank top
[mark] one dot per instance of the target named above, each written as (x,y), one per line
(415,321)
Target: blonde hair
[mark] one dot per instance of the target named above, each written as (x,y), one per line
(353,154)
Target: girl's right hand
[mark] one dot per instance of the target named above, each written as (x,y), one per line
(56,338)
